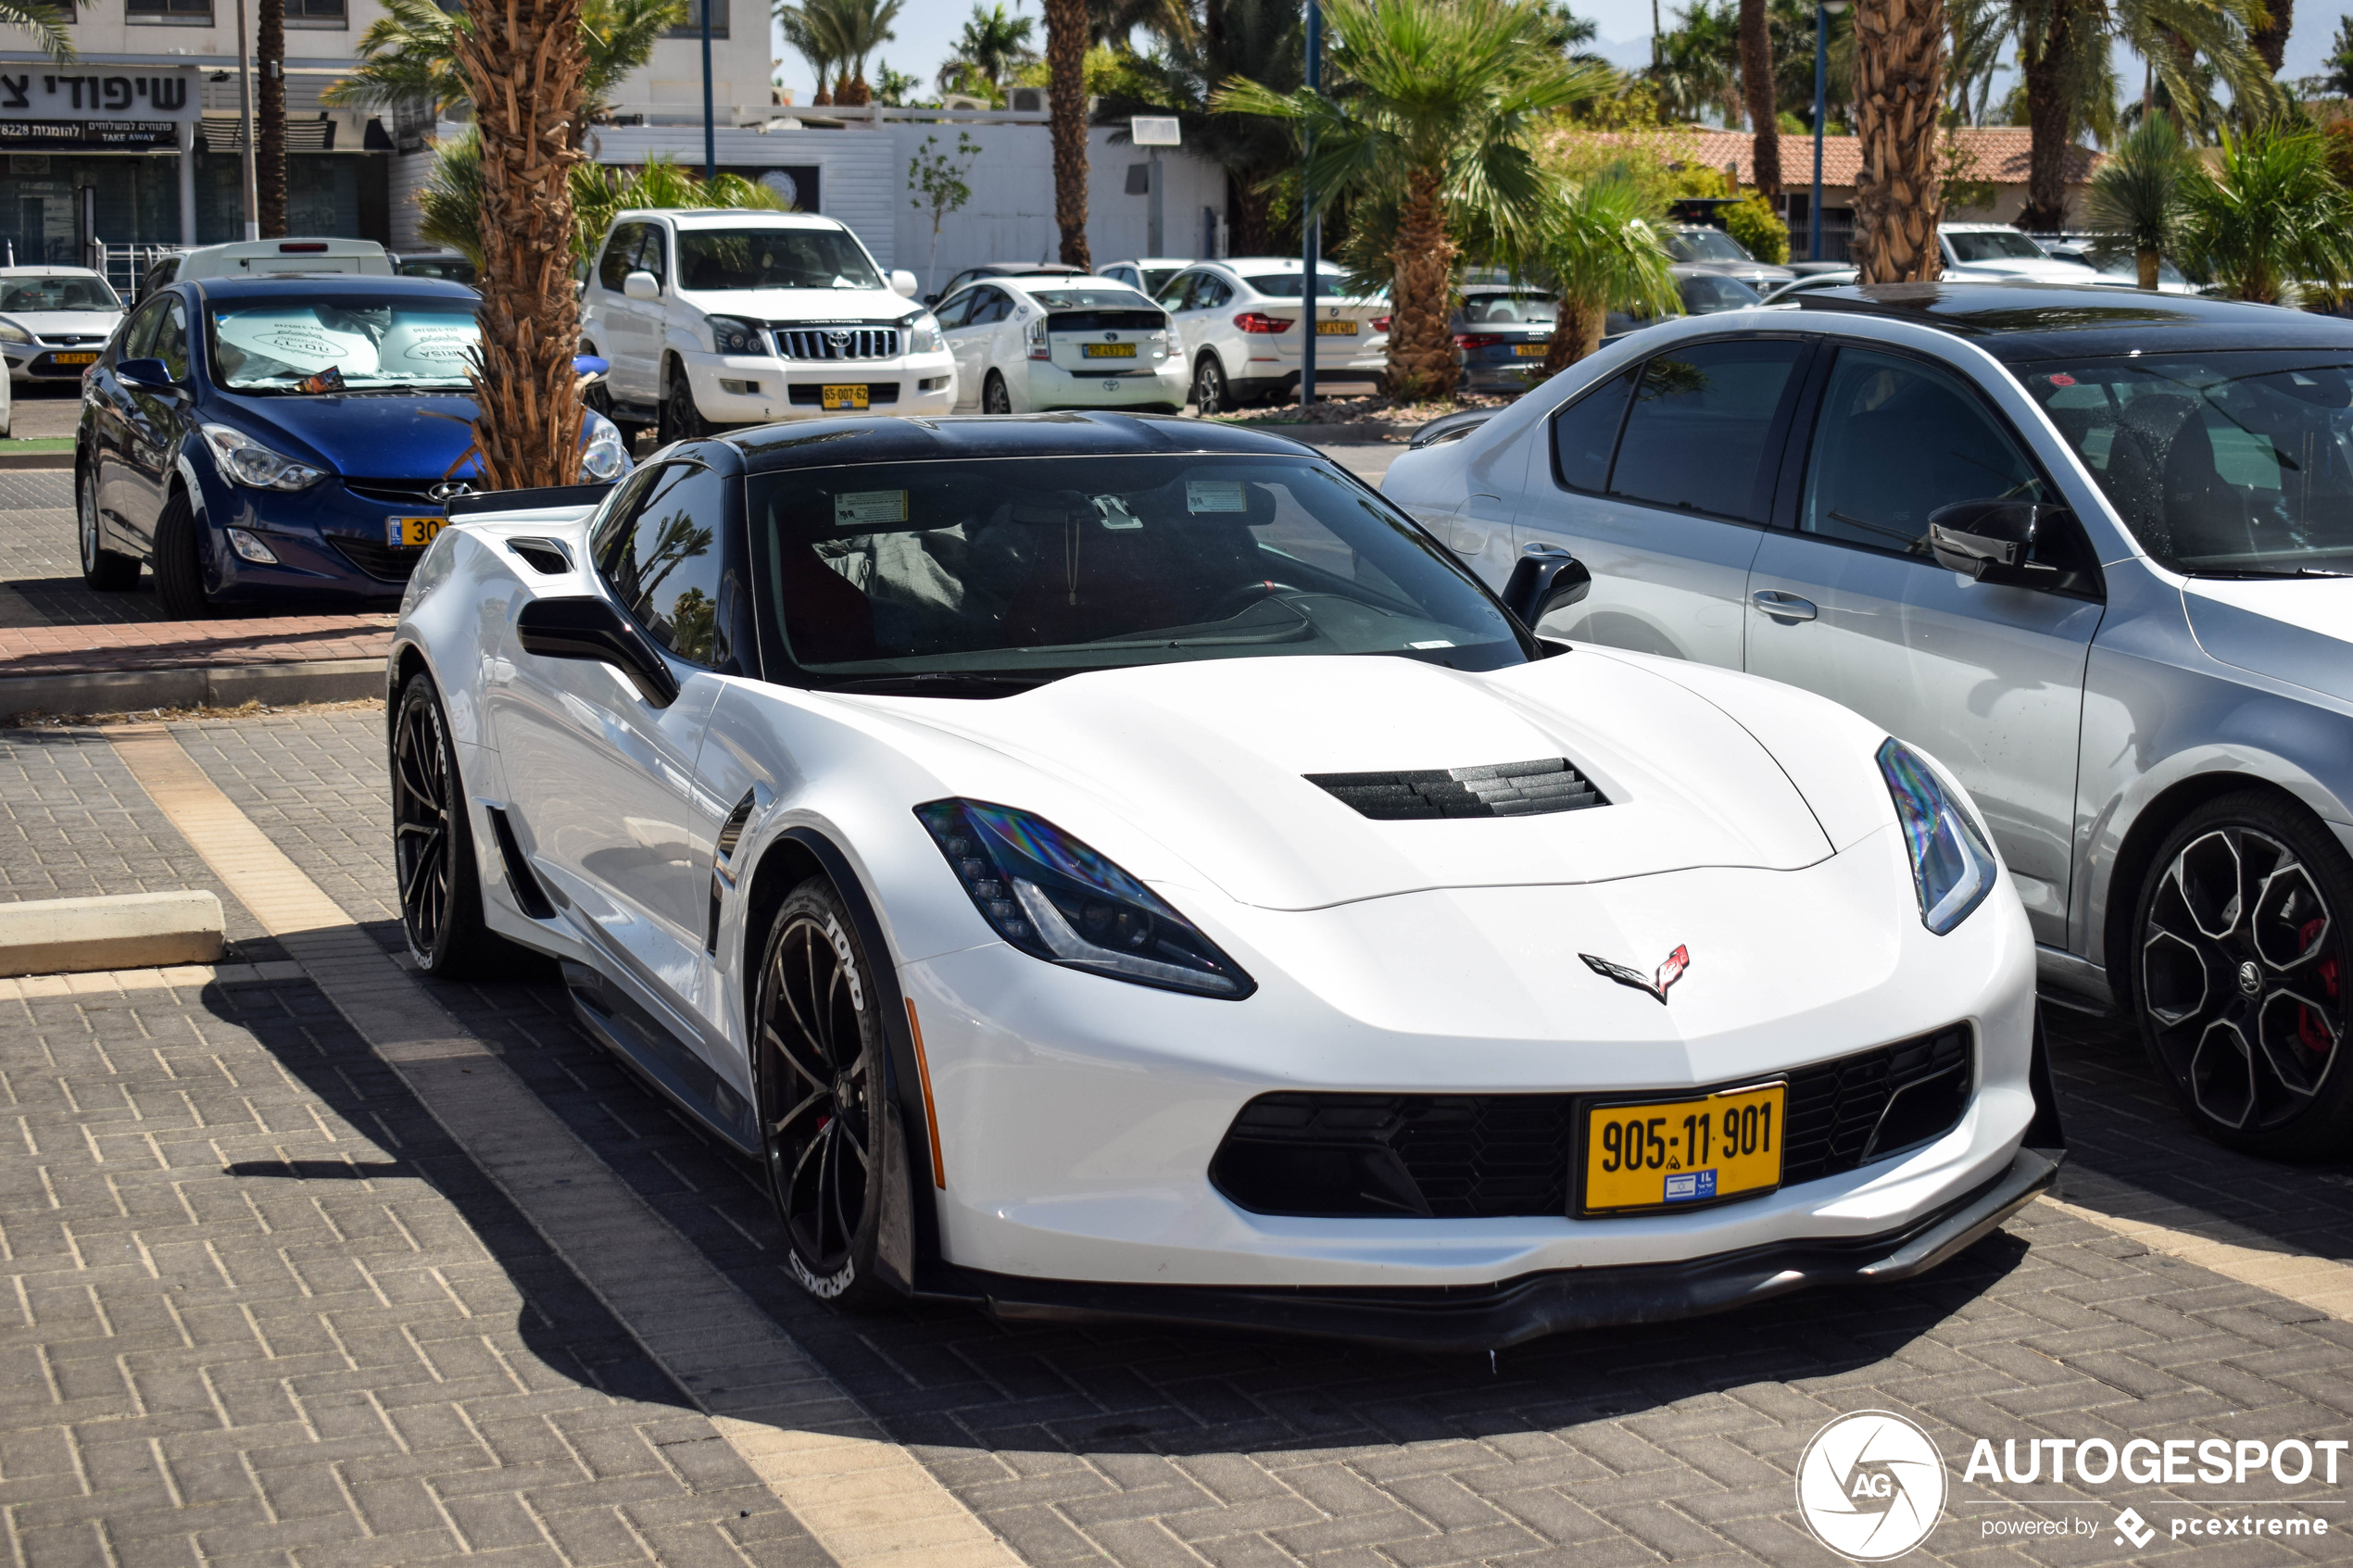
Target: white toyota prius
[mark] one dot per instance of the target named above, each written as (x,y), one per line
(1101,865)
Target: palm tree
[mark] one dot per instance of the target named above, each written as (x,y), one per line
(809,34)
(1756,87)
(1975,34)
(1437,102)
(2136,195)
(46,23)
(855,28)
(1597,247)
(992,48)
(1899,87)
(450,204)
(2272,217)
(1699,62)
(270,121)
(524,65)
(1068,35)
(409,56)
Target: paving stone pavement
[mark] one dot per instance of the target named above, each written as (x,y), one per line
(1133,1446)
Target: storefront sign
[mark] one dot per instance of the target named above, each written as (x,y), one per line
(48,93)
(82,135)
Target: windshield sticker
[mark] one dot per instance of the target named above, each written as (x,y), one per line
(300,342)
(1115,514)
(1214,495)
(431,346)
(859,508)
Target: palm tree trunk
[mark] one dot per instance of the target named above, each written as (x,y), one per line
(2050,113)
(2144,264)
(1575,333)
(524,62)
(1066,35)
(1899,83)
(1756,86)
(269,119)
(2270,41)
(1421,351)
(1252,208)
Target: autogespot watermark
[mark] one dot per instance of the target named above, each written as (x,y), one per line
(1872,1485)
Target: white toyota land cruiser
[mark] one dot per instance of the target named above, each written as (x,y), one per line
(736,318)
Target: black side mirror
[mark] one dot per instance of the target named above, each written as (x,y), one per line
(153,375)
(592,629)
(1994,541)
(1543,580)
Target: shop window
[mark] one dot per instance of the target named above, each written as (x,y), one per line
(170,13)
(693,26)
(332,15)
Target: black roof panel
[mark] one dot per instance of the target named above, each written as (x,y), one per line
(866,438)
(2017,320)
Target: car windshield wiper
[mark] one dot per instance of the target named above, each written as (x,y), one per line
(2248,571)
(949,677)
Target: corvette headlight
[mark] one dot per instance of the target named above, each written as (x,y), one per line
(247,461)
(605,457)
(923,334)
(731,334)
(1054,899)
(1953,869)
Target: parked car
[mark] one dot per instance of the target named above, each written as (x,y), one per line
(2089,550)
(1997,250)
(1031,343)
(1006,269)
(713,319)
(259,258)
(1713,250)
(447,264)
(54,320)
(1114,866)
(2118,266)
(1147,275)
(1240,321)
(1703,291)
(1501,334)
(255,438)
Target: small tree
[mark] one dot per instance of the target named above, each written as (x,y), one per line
(2135,200)
(2272,217)
(936,178)
(1598,249)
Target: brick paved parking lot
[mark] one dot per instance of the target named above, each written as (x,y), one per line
(263,1308)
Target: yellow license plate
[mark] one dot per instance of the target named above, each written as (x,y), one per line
(1108,350)
(844,396)
(73,358)
(1674,1153)
(1530,350)
(1335,329)
(411,532)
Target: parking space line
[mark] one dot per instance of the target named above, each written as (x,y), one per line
(866,1499)
(2194,1236)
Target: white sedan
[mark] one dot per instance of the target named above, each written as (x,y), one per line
(54,320)
(1114,866)
(1029,344)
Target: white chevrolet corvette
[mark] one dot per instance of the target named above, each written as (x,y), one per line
(1104,865)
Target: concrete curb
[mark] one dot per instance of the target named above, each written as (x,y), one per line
(58,461)
(221,686)
(130,931)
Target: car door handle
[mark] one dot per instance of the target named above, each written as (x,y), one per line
(1783,607)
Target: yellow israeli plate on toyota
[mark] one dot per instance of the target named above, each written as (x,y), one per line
(1107,350)
(1644,1156)
(411,532)
(843,397)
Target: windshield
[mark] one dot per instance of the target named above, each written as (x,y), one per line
(1994,245)
(1705,245)
(772,258)
(1156,278)
(1705,294)
(1509,310)
(932,576)
(1093,299)
(276,343)
(58,291)
(1285,286)
(2235,464)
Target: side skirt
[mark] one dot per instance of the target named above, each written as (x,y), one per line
(660,1058)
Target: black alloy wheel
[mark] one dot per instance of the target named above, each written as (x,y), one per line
(681,417)
(433,851)
(101,569)
(994,398)
(1209,387)
(821,1082)
(179,585)
(2240,957)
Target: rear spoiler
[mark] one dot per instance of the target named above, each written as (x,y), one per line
(527,500)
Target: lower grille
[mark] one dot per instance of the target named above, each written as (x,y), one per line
(1499,1156)
(838,342)
(377,559)
(814,397)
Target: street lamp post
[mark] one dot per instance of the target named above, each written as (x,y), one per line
(1307,226)
(1823,11)
(709,133)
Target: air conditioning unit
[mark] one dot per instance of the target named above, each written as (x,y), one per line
(1029,100)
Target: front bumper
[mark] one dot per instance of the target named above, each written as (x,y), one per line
(1514,1311)
(1164,386)
(36,361)
(736,389)
(329,541)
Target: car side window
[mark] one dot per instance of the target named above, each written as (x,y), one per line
(171,343)
(138,339)
(1585,434)
(951,312)
(620,254)
(1176,295)
(1897,438)
(653,255)
(1699,435)
(1211,293)
(661,558)
(993,305)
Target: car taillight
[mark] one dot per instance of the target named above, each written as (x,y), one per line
(1380,323)
(1257,322)
(1475,340)
(1038,348)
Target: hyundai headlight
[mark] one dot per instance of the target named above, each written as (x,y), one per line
(605,457)
(1054,899)
(1953,869)
(244,460)
(732,334)
(923,334)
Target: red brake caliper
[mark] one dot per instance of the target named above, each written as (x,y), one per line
(2309,1029)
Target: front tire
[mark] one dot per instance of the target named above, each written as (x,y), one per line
(822,1084)
(1209,389)
(681,417)
(2240,953)
(995,397)
(102,568)
(179,590)
(432,846)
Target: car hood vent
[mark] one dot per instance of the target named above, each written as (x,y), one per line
(1504,789)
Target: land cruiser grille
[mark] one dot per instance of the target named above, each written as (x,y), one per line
(836,343)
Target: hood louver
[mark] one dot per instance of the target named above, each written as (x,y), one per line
(1506,789)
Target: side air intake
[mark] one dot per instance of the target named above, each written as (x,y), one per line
(1506,789)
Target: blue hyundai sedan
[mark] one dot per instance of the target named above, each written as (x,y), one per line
(272,437)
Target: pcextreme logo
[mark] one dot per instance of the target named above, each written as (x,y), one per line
(1870,1486)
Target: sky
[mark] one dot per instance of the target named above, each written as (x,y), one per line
(927,31)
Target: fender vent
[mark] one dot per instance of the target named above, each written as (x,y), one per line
(723,856)
(1506,789)
(544,555)
(528,893)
